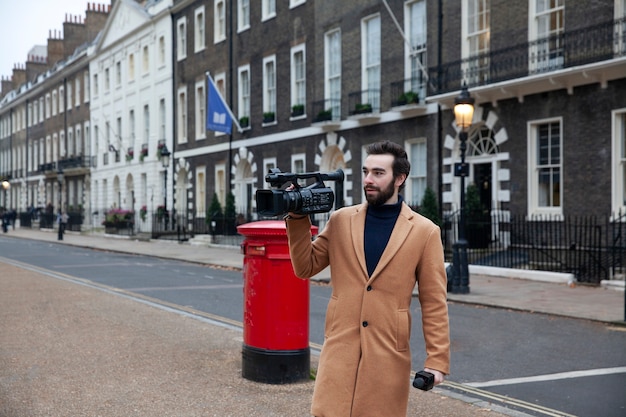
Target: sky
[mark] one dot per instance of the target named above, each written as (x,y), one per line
(26,23)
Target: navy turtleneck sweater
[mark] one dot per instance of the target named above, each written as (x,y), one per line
(379,223)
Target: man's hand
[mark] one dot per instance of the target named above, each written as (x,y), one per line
(439,376)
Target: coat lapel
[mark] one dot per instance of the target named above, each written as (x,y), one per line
(357,229)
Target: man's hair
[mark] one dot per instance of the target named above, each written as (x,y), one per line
(401,164)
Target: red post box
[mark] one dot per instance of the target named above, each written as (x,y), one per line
(276,307)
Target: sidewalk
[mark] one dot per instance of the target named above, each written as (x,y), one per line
(68,349)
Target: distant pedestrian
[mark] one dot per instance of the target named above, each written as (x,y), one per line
(62,222)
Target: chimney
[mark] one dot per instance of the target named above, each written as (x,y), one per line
(55,48)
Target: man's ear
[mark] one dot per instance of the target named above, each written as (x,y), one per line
(400,180)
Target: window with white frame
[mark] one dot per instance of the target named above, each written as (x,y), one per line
(55,102)
(219,25)
(86,90)
(107,80)
(162,55)
(298,80)
(62,98)
(77,91)
(619,162)
(146,123)
(332,71)
(182,115)
(547,26)
(162,119)
(244,96)
(298,166)
(200,110)
(145,60)
(41,110)
(268,164)
(96,87)
(79,141)
(243,15)
(118,74)
(132,129)
(295,3)
(220,182)
(69,97)
(371,62)
(131,67)
(476,28)
(417,182)
(201,191)
(415,24)
(619,36)
(545,167)
(199,30)
(269,88)
(268,9)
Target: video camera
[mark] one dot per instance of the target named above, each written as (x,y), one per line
(314,198)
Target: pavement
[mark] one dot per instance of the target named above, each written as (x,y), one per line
(79,350)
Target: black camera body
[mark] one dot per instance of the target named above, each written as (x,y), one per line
(314,198)
(424,380)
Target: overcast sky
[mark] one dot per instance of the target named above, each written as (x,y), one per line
(26,23)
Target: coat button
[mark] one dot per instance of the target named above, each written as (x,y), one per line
(364,324)
(369,288)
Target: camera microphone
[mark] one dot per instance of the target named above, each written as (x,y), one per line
(424,380)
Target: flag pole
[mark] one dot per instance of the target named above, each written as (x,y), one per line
(232,116)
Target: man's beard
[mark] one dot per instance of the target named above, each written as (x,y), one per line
(382,196)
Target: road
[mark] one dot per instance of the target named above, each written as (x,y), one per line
(534,363)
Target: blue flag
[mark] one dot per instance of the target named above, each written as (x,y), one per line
(218,117)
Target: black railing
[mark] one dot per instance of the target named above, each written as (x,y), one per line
(363,102)
(591,248)
(326,110)
(571,48)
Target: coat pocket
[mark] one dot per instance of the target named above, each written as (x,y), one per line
(403,330)
(330,316)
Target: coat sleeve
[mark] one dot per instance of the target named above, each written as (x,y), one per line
(307,257)
(432,287)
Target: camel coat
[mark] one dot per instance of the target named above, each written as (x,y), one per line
(365,364)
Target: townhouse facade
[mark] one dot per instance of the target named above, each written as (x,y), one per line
(311,83)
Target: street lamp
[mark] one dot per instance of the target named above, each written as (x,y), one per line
(60,178)
(165,161)
(463,114)
(5,214)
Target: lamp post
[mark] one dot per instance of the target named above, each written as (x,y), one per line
(463,114)
(5,213)
(60,178)
(165,161)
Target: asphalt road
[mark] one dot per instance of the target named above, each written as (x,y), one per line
(531,362)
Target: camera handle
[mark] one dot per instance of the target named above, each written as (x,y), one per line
(424,380)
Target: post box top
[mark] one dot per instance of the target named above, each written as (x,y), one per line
(267,228)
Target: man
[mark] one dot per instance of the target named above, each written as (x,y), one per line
(377,251)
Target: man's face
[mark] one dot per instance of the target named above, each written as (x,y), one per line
(378,182)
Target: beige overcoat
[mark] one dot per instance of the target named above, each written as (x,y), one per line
(365,364)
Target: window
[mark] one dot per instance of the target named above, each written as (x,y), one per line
(118,74)
(268,164)
(295,3)
(220,21)
(415,28)
(268,9)
(220,182)
(476,29)
(545,167)
(199,30)
(269,89)
(161,51)
(77,91)
(131,67)
(201,192)
(182,115)
(131,129)
(146,124)
(107,80)
(62,98)
(95,85)
(332,69)
(220,83)
(145,60)
(298,80)
(162,120)
(371,62)
(41,110)
(620,28)
(416,183)
(244,96)
(181,45)
(243,15)
(547,28)
(86,89)
(200,111)
(298,166)
(619,161)
(79,141)
(54,103)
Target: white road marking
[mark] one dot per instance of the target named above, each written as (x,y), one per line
(549,377)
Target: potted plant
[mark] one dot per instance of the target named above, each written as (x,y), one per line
(244,122)
(130,154)
(408,97)
(297,110)
(143,154)
(362,108)
(142,213)
(269,117)
(324,115)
